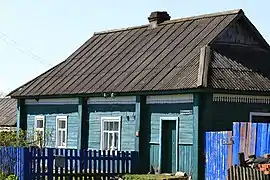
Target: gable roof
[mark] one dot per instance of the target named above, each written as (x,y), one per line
(8,112)
(134,59)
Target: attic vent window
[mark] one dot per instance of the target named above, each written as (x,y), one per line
(158,17)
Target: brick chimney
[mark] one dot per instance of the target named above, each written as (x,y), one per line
(158,17)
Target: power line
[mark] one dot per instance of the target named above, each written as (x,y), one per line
(4,37)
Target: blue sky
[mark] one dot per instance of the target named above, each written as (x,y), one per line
(48,31)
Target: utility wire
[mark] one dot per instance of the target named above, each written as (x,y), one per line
(5,38)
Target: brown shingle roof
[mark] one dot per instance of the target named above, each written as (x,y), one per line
(133,59)
(240,68)
(8,112)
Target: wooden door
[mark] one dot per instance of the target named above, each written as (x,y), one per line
(168,147)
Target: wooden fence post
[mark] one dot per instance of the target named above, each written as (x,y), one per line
(50,163)
(134,162)
(26,173)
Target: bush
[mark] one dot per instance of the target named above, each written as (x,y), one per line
(10,138)
(12,177)
(3,176)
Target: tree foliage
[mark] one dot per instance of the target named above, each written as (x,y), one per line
(20,139)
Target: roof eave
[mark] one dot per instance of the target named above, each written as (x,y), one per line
(156,92)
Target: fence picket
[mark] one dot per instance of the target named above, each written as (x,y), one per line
(236,147)
(34,160)
(258,139)
(264,139)
(38,156)
(123,159)
(43,161)
(55,167)
(61,153)
(85,157)
(66,162)
(268,139)
(71,162)
(90,160)
(113,163)
(99,161)
(95,162)
(104,161)
(127,162)
(108,157)
(243,133)
(253,138)
(134,161)
(50,163)
(81,163)
(26,164)
(118,164)
(76,161)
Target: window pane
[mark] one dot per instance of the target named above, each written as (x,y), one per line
(62,124)
(105,141)
(59,138)
(105,125)
(116,140)
(64,138)
(110,126)
(39,123)
(110,140)
(115,126)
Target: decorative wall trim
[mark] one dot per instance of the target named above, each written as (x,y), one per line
(115,100)
(52,101)
(170,99)
(241,98)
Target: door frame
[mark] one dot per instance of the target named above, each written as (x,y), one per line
(176,119)
(251,114)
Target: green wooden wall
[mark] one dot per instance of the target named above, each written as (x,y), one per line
(224,114)
(50,112)
(126,111)
(185,141)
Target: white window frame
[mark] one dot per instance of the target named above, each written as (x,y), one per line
(111,119)
(38,118)
(62,118)
(263,114)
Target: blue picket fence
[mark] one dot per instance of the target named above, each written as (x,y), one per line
(35,163)
(222,148)
(11,160)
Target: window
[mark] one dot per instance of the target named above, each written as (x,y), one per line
(61,131)
(110,133)
(39,129)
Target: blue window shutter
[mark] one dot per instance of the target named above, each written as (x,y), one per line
(186,128)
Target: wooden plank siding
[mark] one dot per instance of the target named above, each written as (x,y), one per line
(51,112)
(185,147)
(225,113)
(238,33)
(127,113)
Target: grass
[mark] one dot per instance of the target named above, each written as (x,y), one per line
(152,176)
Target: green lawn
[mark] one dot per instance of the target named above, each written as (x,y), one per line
(153,176)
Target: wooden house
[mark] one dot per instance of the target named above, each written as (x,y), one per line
(155,89)
(8,114)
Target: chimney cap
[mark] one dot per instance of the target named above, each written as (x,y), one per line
(159,17)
